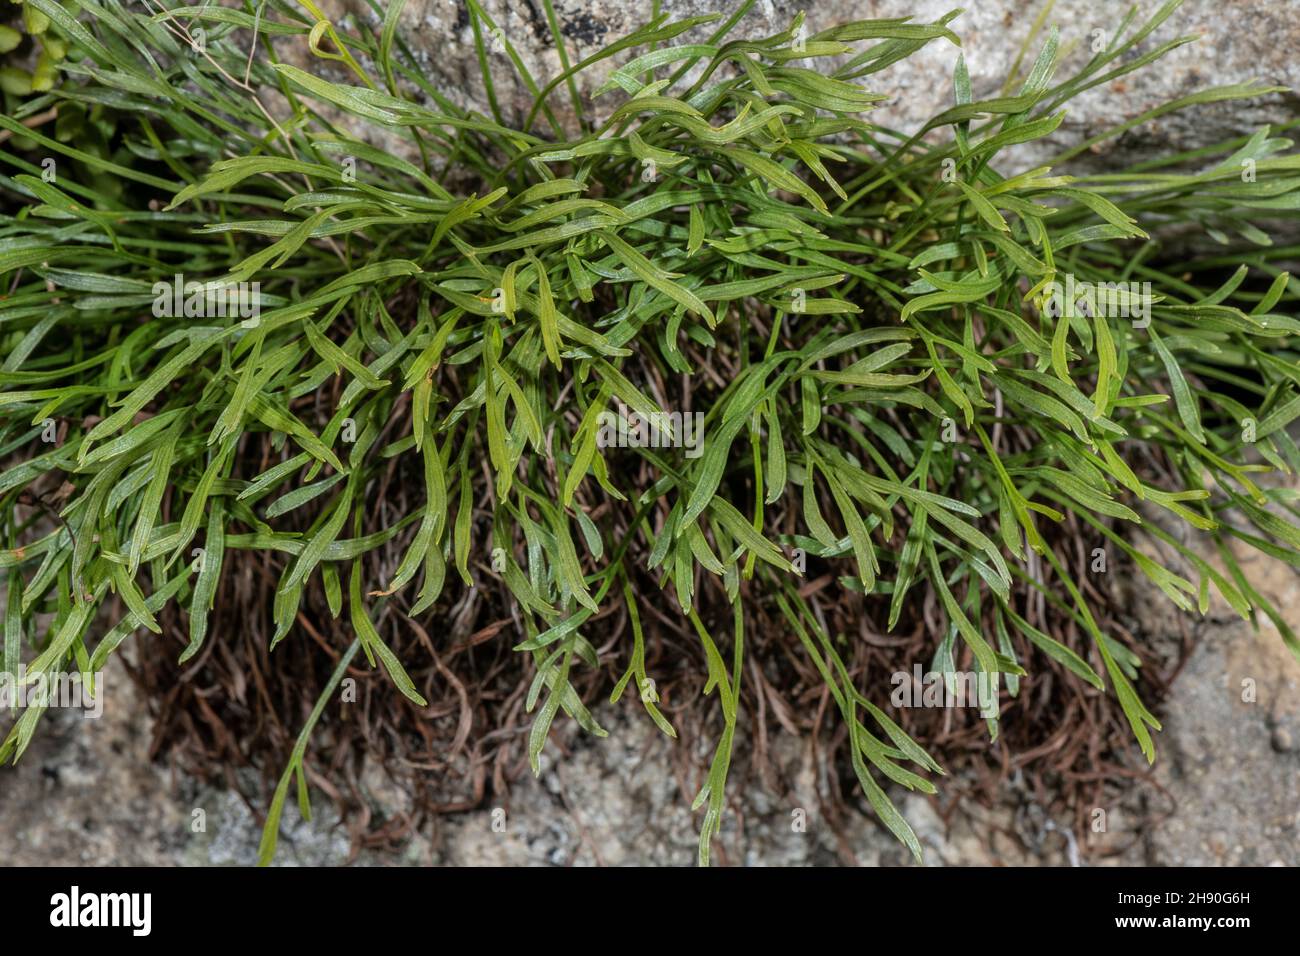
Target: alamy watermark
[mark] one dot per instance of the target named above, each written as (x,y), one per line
(946,689)
(133,911)
(80,691)
(208,300)
(629,429)
(1107,299)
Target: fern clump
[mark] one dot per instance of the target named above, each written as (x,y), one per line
(717,325)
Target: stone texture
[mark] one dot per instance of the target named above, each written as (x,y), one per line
(86,793)
(1236,792)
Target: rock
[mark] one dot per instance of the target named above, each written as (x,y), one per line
(1235,790)
(86,793)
